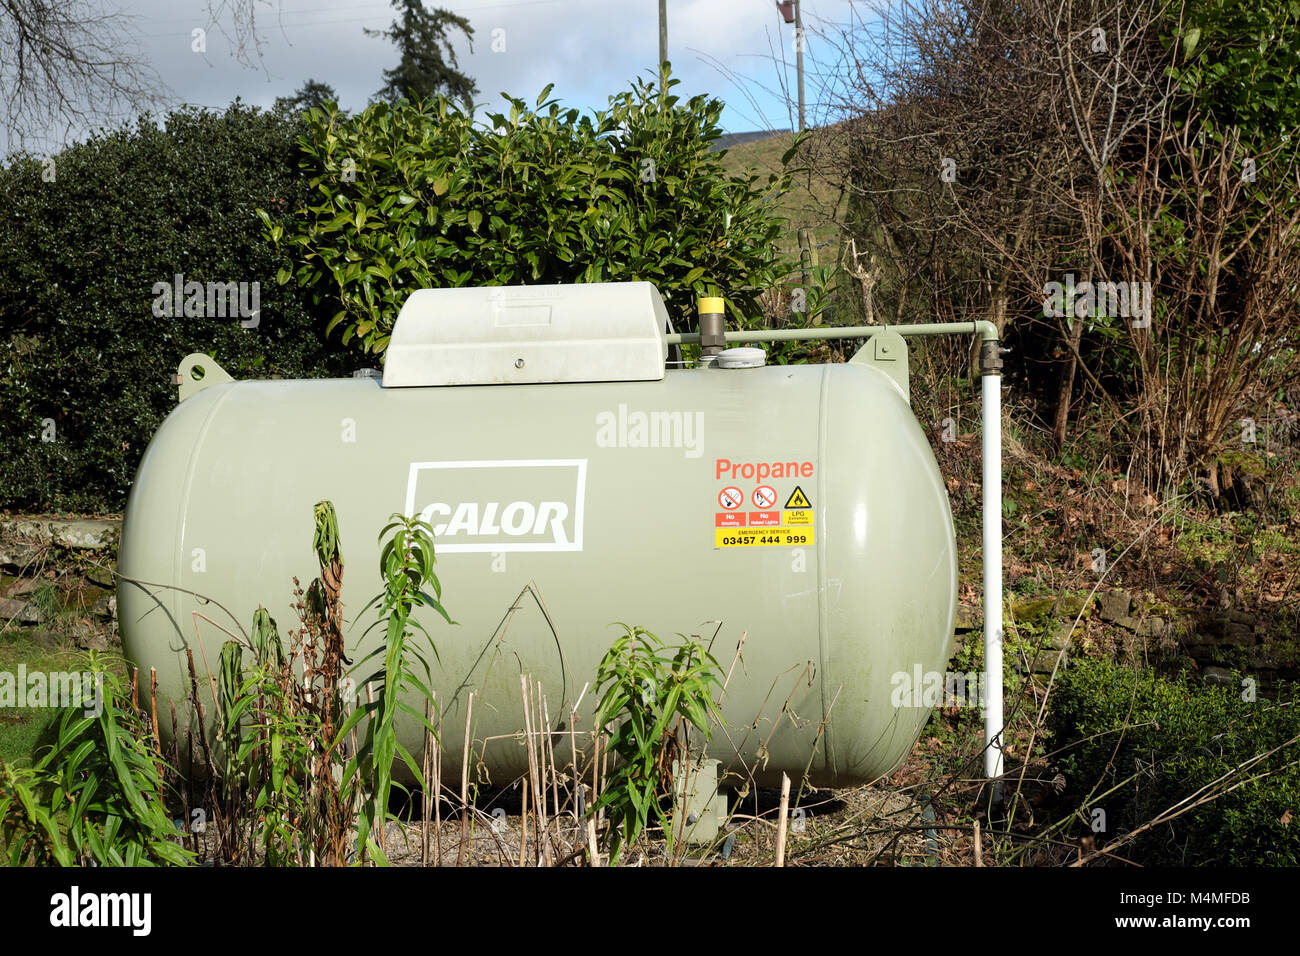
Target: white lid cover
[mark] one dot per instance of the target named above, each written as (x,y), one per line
(504,335)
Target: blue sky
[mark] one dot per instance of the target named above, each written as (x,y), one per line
(738,50)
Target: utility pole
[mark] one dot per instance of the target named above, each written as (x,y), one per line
(798,49)
(663,47)
(791,13)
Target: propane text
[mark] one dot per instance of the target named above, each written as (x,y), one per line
(758,470)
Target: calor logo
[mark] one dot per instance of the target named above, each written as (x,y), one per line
(494,506)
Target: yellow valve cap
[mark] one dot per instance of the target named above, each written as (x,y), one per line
(712,304)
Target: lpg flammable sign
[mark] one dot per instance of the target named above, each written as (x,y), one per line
(762,504)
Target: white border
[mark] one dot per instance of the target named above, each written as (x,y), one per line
(579,503)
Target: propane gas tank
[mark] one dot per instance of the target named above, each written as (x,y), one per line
(572,482)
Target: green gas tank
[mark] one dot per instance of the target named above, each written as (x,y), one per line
(573,481)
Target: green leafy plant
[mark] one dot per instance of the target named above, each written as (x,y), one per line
(279,795)
(819,292)
(271,736)
(410,196)
(46,599)
(1241,63)
(653,701)
(406,562)
(97,796)
(279,720)
(87,369)
(291,789)
(1138,745)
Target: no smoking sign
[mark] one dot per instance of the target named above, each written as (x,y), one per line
(731,497)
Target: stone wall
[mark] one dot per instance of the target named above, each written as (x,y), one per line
(57,580)
(1136,626)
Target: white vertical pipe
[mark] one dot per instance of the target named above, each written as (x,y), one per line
(991,395)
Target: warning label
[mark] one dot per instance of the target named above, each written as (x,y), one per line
(765,484)
(731,497)
(760,537)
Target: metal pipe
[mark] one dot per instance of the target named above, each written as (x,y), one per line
(987,331)
(991,395)
(991,453)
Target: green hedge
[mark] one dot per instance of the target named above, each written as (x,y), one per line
(408,196)
(1181,735)
(80,252)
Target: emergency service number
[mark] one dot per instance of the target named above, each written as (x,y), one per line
(765,539)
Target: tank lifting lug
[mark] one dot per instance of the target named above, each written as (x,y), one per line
(197,372)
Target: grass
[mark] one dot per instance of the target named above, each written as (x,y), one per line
(812,201)
(25,730)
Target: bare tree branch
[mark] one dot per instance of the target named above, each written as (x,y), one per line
(67,66)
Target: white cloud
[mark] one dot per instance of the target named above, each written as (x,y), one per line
(590,49)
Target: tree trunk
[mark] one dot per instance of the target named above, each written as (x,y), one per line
(1067,386)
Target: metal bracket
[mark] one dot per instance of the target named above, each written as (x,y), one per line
(887,351)
(698,796)
(197,372)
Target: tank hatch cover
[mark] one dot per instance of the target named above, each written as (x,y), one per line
(527,335)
